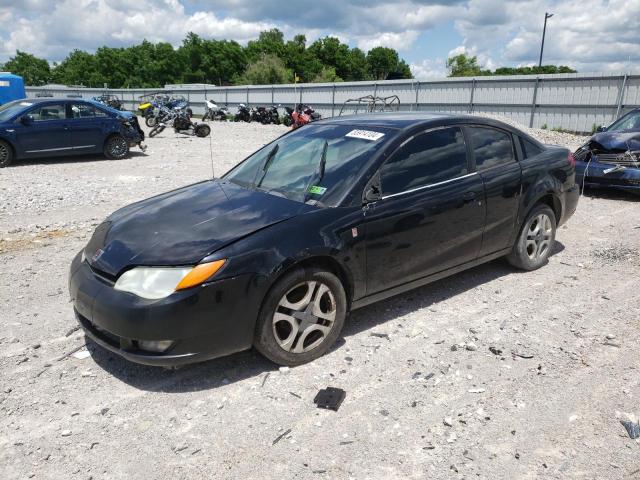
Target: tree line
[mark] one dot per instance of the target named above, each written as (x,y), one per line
(269,59)
(463,65)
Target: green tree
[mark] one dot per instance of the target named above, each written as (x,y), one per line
(401,71)
(327,75)
(463,65)
(79,68)
(34,71)
(381,61)
(358,63)
(267,70)
(270,42)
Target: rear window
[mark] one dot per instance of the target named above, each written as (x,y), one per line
(530,149)
(491,147)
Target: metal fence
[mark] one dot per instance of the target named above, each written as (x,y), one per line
(574,102)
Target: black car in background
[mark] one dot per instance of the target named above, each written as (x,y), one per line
(611,157)
(330,217)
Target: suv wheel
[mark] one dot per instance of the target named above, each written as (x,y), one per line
(301,317)
(535,241)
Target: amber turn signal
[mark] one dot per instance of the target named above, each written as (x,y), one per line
(200,274)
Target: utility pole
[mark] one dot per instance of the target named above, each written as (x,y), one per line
(544,31)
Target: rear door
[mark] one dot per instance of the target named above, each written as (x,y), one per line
(494,157)
(49,133)
(87,127)
(431,214)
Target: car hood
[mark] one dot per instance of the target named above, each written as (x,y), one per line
(618,141)
(183,226)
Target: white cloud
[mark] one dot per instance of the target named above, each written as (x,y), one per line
(399,41)
(429,69)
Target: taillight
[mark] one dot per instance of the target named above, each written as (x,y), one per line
(572,159)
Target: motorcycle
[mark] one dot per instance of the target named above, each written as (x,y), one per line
(302,115)
(181,123)
(213,112)
(267,115)
(109,100)
(244,114)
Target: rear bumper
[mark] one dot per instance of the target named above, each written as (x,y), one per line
(204,322)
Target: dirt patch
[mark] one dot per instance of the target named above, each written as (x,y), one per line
(35,240)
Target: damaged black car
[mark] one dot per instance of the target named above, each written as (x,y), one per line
(611,157)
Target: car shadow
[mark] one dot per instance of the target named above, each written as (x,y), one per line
(610,194)
(249,364)
(98,157)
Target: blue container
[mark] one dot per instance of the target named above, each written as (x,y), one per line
(11,87)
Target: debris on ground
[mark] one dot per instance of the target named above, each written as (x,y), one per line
(330,398)
(281,436)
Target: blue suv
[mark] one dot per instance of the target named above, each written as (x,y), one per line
(32,128)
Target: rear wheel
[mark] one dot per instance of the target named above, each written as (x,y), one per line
(535,240)
(301,317)
(116,147)
(156,130)
(6,154)
(202,130)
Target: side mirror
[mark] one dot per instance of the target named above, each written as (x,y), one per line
(601,128)
(26,120)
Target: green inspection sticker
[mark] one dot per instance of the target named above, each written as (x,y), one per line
(317,190)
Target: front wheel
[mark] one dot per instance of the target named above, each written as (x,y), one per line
(535,240)
(156,130)
(151,121)
(301,317)
(6,154)
(116,147)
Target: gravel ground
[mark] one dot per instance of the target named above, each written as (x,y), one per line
(491,373)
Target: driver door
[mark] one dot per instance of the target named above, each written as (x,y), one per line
(48,134)
(431,214)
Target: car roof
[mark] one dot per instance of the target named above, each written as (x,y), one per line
(407,120)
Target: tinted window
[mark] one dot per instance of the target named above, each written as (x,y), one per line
(629,122)
(82,110)
(426,159)
(491,147)
(530,149)
(48,112)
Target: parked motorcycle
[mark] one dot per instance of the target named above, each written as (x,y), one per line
(109,100)
(181,123)
(267,115)
(244,113)
(302,115)
(213,112)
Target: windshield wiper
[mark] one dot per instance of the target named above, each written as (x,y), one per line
(266,165)
(321,168)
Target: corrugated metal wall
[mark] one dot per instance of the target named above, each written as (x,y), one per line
(570,101)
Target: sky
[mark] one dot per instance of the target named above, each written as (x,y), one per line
(588,35)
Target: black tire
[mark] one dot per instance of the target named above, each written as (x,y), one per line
(327,294)
(535,240)
(151,121)
(116,147)
(156,130)
(202,130)
(6,154)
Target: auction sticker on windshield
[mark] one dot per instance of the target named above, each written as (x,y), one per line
(317,190)
(365,135)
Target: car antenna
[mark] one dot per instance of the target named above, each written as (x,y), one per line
(213,175)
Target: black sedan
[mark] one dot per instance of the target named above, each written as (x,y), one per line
(328,218)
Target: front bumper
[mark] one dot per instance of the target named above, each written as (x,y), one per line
(205,322)
(627,179)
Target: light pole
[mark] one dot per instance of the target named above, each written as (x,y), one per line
(544,31)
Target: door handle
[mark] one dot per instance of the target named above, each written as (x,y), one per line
(468,196)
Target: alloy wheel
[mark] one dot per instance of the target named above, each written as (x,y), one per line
(4,153)
(539,236)
(118,147)
(304,317)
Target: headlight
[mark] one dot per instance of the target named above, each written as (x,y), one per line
(154,283)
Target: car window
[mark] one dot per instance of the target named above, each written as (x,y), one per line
(82,110)
(491,147)
(427,158)
(630,122)
(49,112)
(530,149)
